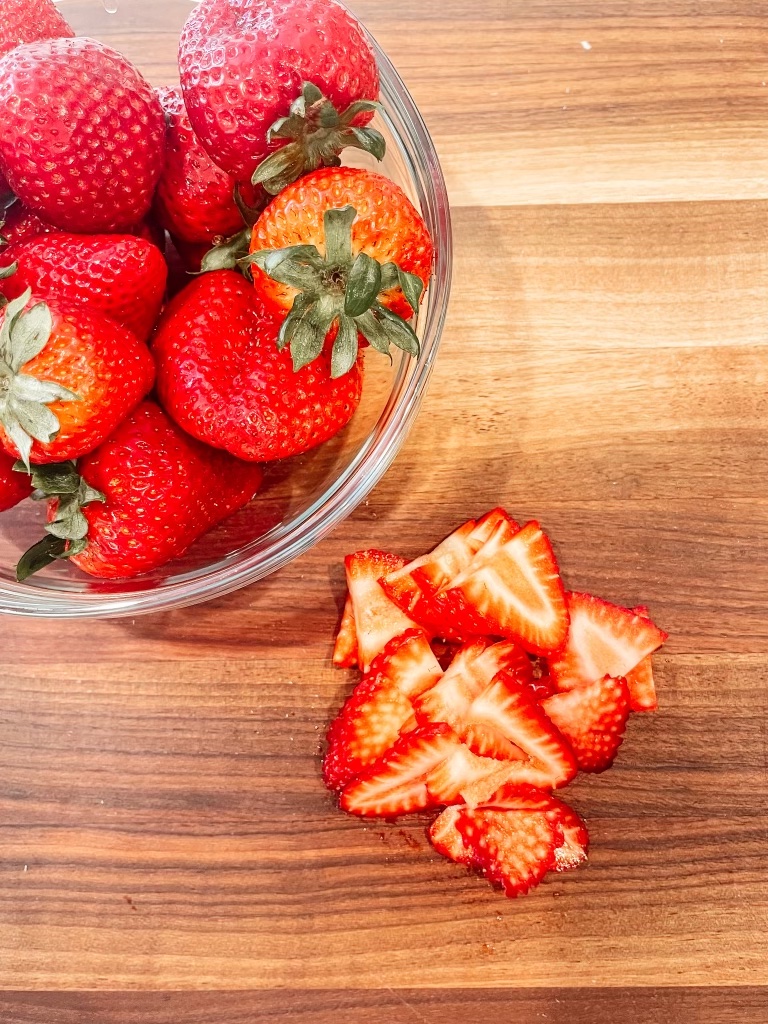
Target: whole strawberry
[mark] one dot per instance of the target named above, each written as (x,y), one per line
(84,147)
(68,376)
(139,500)
(342,249)
(24,21)
(223,379)
(195,198)
(119,276)
(295,75)
(14,487)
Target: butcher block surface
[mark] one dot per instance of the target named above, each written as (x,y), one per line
(166,842)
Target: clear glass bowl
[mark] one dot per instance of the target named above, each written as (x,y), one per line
(304,498)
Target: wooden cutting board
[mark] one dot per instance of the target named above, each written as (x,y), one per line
(605,368)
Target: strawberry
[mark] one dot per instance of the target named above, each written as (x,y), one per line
(380,706)
(195,198)
(139,500)
(397,782)
(345,649)
(513,849)
(342,250)
(517,591)
(499,814)
(67,378)
(24,21)
(77,94)
(120,276)
(507,711)
(592,717)
(19,224)
(377,620)
(312,60)
(14,487)
(604,640)
(465,777)
(472,671)
(221,377)
(642,688)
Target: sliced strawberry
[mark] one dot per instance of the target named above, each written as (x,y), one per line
(446,838)
(507,709)
(465,774)
(490,525)
(377,619)
(592,717)
(410,663)
(397,782)
(517,591)
(542,688)
(445,651)
(642,688)
(345,648)
(448,559)
(472,670)
(572,851)
(439,614)
(514,849)
(604,640)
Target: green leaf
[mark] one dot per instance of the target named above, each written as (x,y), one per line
(390,276)
(326,116)
(359,107)
(312,328)
(6,272)
(30,334)
(412,287)
(363,285)
(368,139)
(18,436)
(311,94)
(345,348)
(281,168)
(226,255)
(44,553)
(35,419)
(69,524)
(373,331)
(55,478)
(298,266)
(338,235)
(300,305)
(250,215)
(30,389)
(89,495)
(399,332)
(12,311)
(291,127)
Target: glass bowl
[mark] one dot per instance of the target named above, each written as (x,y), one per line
(303,498)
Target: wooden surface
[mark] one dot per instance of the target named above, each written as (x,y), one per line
(163,826)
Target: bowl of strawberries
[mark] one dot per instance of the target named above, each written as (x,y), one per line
(221,296)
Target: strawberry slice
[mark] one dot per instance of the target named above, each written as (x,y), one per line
(604,640)
(517,591)
(574,839)
(464,777)
(377,619)
(345,648)
(514,849)
(446,838)
(592,717)
(542,688)
(642,688)
(397,782)
(507,709)
(472,671)
(379,708)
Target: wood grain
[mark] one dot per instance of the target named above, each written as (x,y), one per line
(162,821)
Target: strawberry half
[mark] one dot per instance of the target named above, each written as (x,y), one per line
(377,619)
(379,708)
(397,782)
(345,648)
(516,589)
(604,640)
(592,717)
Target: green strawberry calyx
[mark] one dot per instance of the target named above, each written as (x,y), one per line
(339,289)
(67,533)
(24,399)
(315,132)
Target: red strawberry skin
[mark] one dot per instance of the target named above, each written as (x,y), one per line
(107,366)
(77,93)
(195,198)
(592,717)
(14,487)
(21,224)
(289,41)
(221,377)
(121,276)
(163,491)
(24,21)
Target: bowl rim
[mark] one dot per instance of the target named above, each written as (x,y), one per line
(375,455)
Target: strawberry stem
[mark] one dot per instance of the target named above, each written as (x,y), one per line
(316,133)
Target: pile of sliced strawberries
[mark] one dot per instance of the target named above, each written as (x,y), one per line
(486,686)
